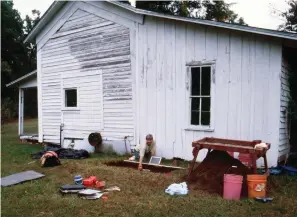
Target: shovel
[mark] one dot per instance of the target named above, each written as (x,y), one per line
(264,199)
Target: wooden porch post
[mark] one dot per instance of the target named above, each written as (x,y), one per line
(21,111)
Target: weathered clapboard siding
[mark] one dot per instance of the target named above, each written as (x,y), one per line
(284,145)
(246,85)
(92,54)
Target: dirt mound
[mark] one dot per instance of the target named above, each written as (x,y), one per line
(209,174)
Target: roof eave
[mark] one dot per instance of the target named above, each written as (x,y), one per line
(53,9)
(202,22)
(22,78)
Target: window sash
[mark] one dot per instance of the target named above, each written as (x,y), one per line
(65,98)
(200,97)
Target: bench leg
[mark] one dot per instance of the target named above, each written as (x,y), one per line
(195,154)
(265,164)
(254,156)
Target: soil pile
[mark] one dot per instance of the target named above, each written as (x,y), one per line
(209,174)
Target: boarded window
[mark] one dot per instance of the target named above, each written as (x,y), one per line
(71,98)
(200,95)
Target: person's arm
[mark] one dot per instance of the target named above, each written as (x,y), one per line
(140,163)
(141,155)
(154,149)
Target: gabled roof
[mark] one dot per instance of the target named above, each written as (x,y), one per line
(29,75)
(45,19)
(57,5)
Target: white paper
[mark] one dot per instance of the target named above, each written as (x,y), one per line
(88,192)
(93,197)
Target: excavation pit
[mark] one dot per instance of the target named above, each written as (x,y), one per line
(145,166)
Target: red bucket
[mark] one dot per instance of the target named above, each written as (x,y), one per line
(232,187)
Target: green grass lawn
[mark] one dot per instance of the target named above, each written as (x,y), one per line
(31,126)
(142,193)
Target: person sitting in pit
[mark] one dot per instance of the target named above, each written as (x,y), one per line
(147,150)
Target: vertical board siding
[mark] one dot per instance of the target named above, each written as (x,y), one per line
(169,71)
(234,86)
(161,95)
(151,67)
(180,70)
(222,81)
(284,145)
(92,54)
(246,69)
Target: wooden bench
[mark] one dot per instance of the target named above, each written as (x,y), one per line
(230,145)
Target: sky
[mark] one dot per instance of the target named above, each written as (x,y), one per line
(258,13)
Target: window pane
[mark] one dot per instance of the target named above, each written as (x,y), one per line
(195,111)
(71,98)
(195,104)
(194,118)
(195,73)
(205,118)
(205,105)
(205,77)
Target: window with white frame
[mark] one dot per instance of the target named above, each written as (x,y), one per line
(70,98)
(200,96)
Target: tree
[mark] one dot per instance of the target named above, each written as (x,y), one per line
(12,49)
(17,58)
(31,48)
(220,11)
(31,22)
(290,16)
(210,10)
(179,8)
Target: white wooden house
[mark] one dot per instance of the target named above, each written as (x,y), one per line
(111,68)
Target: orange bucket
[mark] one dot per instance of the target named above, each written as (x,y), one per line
(256,185)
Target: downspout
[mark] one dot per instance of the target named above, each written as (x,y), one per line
(61,129)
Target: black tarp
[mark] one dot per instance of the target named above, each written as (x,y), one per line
(64,153)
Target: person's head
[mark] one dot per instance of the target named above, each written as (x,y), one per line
(149,139)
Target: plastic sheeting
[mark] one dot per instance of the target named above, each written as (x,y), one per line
(177,189)
(20,177)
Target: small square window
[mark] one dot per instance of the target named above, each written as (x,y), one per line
(71,98)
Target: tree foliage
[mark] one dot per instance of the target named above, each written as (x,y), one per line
(290,16)
(220,11)
(31,48)
(17,58)
(12,49)
(178,8)
(210,10)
